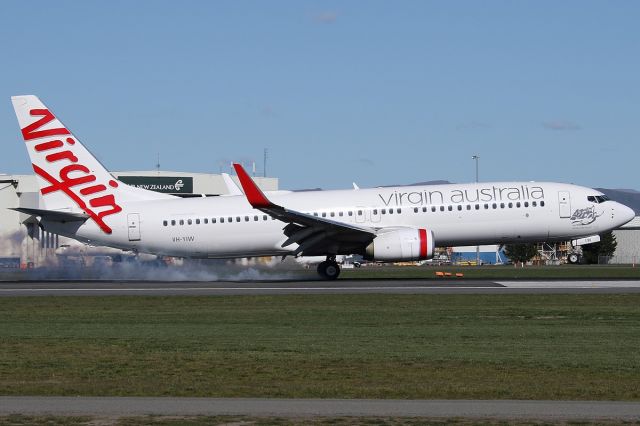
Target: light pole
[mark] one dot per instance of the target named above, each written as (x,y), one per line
(476,157)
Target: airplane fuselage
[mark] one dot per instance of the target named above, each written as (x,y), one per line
(457,214)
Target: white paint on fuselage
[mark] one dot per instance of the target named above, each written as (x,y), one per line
(463,225)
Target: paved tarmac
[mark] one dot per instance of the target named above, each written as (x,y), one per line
(383,286)
(125,406)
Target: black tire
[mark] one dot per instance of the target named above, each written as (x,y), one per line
(573,258)
(329,270)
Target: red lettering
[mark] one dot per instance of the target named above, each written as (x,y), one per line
(45,146)
(93,189)
(64,187)
(72,174)
(71,181)
(106,201)
(62,155)
(31,131)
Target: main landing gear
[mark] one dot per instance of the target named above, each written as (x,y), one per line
(329,269)
(573,258)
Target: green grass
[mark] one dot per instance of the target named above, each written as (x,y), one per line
(18,420)
(343,346)
(492,272)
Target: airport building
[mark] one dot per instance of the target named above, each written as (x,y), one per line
(23,243)
(628,239)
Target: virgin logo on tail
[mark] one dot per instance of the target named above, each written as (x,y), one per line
(73,174)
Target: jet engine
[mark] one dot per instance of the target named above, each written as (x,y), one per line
(401,244)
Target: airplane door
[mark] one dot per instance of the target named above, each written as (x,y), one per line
(375,215)
(133,223)
(361,214)
(564,203)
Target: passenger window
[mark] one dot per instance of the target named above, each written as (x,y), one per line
(315,213)
(206,220)
(486,206)
(384,211)
(164,223)
(502,205)
(398,211)
(541,203)
(468,206)
(359,212)
(526,204)
(229,219)
(332,214)
(189,222)
(390,211)
(424,210)
(181,222)
(324,214)
(213,220)
(494,205)
(264,217)
(197,221)
(534,203)
(255,218)
(340,214)
(238,219)
(350,213)
(510,205)
(450,208)
(477,206)
(222,220)
(459,207)
(518,204)
(173,223)
(441,208)
(415,210)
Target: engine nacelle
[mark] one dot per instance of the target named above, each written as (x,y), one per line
(402,244)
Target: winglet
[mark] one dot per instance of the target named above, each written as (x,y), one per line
(232,188)
(255,196)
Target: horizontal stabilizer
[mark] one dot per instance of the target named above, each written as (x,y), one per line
(54,215)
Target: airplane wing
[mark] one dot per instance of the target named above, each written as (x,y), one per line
(314,235)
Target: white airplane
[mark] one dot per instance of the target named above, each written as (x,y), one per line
(82,200)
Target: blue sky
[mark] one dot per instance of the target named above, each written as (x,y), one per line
(373,92)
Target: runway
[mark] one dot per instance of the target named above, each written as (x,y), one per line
(199,288)
(474,409)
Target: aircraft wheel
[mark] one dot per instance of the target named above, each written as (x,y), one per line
(573,258)
(329,270)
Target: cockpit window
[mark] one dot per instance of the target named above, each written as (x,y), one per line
(597,198)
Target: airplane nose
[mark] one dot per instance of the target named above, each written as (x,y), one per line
(626,214)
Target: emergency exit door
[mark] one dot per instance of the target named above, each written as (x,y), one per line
(133,220)
(564,203)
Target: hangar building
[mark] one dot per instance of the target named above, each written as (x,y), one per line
(628,239)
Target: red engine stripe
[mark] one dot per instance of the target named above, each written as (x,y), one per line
(423,243)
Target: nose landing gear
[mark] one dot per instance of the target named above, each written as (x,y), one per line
(329,269)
